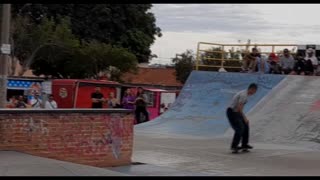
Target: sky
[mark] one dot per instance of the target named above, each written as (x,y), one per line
(184,25)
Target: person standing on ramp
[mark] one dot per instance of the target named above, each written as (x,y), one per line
(238,120)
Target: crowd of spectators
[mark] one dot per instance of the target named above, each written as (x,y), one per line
(35,103)
(137,102)
(285,63)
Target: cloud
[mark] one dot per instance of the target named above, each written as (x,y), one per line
(183,25)
(202,18)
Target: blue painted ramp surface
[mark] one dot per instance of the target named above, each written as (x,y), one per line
(200,108)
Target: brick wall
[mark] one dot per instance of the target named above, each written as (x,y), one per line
(92,137)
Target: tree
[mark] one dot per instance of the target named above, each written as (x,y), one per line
(129,26)
(234,54)
(51,49)
(43,42)
(213,57)
(184,64)
(55,47)
(209,56)
(110,60)
(22,43)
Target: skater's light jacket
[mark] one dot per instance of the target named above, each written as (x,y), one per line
(240,98)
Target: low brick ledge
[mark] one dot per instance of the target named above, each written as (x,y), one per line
(95,137)
(12,111)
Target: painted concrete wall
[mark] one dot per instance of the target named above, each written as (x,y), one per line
(200,109)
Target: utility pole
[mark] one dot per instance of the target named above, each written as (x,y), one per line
(5,52)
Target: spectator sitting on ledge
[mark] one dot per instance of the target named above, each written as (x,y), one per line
(300,65)
(273,61)
(311,58)
(286,62)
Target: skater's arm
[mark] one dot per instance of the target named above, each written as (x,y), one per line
(240,107)
(245,118)
(240,110)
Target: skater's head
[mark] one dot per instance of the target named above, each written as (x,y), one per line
(252,89)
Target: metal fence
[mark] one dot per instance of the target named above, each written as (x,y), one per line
(215,56)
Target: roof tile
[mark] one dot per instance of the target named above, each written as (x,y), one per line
(152,76)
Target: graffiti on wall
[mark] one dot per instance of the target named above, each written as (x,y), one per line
(28,125)
(84,144)
(36,126)
(93,137)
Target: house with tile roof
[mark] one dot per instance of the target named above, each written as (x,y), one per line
(163,78)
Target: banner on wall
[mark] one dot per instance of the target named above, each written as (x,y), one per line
(29,87)
(167,99)
(47,87)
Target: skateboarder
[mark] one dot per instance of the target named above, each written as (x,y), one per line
(238,120)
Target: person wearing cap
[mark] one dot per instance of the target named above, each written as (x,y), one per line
(274,64)
(311,57)
(300,65)
(36,102)
(286,62)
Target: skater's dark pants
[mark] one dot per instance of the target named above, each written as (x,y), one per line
(143,110)
(239,126)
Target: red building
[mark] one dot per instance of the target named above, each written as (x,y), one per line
(76,93)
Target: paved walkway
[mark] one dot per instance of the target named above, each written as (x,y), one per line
(20,164)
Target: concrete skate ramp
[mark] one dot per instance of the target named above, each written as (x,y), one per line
(290,114)
(200,108)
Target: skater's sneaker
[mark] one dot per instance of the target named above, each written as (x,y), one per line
(245,150)
(235,150)
(247,147)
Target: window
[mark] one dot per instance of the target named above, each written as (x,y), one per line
(150,96)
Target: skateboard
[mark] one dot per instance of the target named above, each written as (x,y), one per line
(241,150)
(245,150)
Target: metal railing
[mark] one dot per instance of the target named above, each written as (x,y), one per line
(203,58)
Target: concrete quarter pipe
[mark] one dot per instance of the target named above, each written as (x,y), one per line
(200,108)
(289,114)
(286,109)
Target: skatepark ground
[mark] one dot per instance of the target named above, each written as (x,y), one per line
(211,157)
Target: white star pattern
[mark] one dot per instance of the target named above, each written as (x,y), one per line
(19,84)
